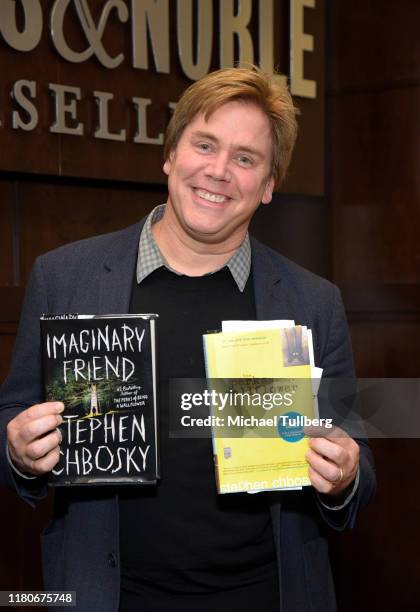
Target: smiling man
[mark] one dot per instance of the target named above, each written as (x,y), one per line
(218,174)
(179,546)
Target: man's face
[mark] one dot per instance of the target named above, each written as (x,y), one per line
(219,173)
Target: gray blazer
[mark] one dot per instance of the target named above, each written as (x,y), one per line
(80,548)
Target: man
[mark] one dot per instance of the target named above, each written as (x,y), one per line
(181,546)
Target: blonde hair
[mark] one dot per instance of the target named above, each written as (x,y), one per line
(247,85)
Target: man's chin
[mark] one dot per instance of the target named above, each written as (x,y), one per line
(206,235)
(214,235)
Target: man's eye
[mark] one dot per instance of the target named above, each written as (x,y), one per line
(204,146)
(243,160)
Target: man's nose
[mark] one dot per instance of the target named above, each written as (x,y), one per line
(218,167)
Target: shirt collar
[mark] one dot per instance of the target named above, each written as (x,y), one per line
(150,258)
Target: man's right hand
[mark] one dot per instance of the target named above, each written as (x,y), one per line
(34,439)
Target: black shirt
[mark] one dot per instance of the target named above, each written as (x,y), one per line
(183,546)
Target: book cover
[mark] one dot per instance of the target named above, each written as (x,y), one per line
(103,368)
(263,378)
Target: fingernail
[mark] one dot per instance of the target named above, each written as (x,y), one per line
(60,406)
(60,419)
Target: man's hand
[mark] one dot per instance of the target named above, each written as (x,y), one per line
(333,462)
(34,439)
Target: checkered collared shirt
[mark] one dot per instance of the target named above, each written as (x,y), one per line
(150,257)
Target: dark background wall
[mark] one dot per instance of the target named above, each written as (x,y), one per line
(364,235)
(373,144)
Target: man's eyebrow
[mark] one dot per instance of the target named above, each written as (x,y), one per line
(210,136)
(201,134)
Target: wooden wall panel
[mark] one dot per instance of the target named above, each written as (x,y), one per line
(375,186)
(387,349)
(379,137)
(377,566)
(297,226)
(53,214)
(373,102)
(372,43)
(359,239)
(17,66)
(7,232)
(20,559)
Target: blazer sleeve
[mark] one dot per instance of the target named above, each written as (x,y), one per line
(23,386)
(337,362)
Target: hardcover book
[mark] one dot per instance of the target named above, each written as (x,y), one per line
(263,380)
(103,368)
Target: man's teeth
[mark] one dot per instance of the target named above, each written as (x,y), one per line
(210,197)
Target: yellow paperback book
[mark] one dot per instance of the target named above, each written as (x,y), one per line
(261,400)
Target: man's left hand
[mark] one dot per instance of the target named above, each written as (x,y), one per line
(333,462)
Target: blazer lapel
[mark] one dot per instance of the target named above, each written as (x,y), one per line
(118,272)
(274,288)
(271,299)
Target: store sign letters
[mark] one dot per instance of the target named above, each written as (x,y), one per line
(24,23)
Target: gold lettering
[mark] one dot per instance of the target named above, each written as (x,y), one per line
(24,102)
(141,136)
(65,109)
(299,43)
(266,38)
(150,16)
(231,24)
(195,70)
(103,98)
(92,32)
(29,37)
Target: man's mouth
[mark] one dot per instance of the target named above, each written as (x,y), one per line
(211,197)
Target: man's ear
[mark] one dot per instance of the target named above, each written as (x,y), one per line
(168,163)
(167,167)
(268,191)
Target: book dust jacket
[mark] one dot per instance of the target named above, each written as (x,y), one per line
(104,371)
(255,448)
